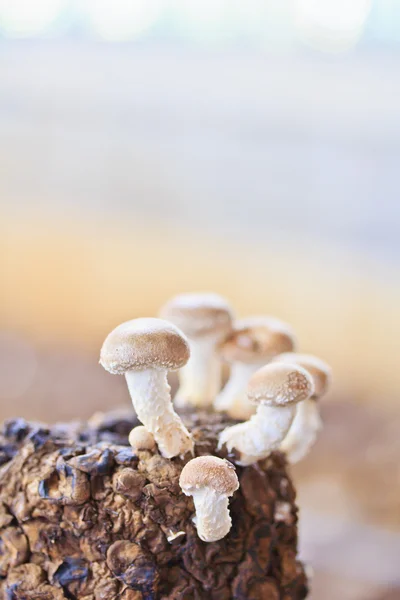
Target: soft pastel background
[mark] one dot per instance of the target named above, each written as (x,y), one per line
(149,147)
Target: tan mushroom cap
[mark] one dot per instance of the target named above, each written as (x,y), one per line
(211,472)
(142,344)
(141,439)
(280,384)
(319,370)
(257,339)
(199,314)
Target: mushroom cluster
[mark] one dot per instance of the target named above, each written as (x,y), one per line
(251,344)
(271,391)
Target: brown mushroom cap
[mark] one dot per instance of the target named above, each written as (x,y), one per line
(319,370)
(142,344)
(280,384)
(209,471)
(199,314)
(257,339)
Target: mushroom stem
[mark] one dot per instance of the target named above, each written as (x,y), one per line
(233,397)
(158,416)
(212,518)
(256,438)
(303,432)
(200,378)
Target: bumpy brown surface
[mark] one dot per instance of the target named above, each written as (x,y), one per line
(82,518)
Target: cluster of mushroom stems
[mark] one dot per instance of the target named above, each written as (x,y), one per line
(272,392)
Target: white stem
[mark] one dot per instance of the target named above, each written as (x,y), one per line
(212,519)
(151,399)
(303,432)
(260,435)
(200,378)
(233,397)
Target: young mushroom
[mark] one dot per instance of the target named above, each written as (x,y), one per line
(275,389)
(210,481)
(205,319)
(144,350)
(307,422)
(252,343)
(141,439)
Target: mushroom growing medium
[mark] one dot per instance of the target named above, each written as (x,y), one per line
(144,350)
(307,422)
(128,533)
(210,481)
(253,342)
(275,389)
(205,319)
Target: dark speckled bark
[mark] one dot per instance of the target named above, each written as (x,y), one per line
(82,518)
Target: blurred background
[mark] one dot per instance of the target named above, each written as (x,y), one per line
(150,147)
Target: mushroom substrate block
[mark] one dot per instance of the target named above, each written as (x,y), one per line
(84,517)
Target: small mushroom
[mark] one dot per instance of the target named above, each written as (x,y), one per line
(307,422)
(253,342)
(205,319)
(275,389)
(141,439)
(210,481)
(175,536)
(144,350)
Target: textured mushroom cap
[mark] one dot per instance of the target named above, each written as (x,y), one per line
(142,344)
(199,314)
(211,472)
(280,384)
(141,439)
(319,370)
(257,339)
